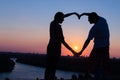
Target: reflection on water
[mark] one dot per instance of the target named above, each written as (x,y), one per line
(23,71)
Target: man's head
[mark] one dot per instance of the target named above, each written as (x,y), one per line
(92,17)
(59,17)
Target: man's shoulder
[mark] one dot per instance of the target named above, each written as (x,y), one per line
(102,19)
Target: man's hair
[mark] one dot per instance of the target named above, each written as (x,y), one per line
(93,15)
(58,15)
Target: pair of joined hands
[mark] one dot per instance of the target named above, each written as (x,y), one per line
(79,15)
(77,54)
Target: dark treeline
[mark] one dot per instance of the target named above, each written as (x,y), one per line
(77,64)
(6,64)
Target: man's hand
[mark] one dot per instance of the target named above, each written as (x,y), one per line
(77,15)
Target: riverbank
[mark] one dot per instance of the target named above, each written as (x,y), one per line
(67,63)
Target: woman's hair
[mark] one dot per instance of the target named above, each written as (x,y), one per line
(58,15)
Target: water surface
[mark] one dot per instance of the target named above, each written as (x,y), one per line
(28,72)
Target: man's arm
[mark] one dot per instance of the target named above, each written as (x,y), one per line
(86,14)
(84,46)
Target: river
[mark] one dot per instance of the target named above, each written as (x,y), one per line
(29,72)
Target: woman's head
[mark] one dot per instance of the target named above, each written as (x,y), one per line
(59,16)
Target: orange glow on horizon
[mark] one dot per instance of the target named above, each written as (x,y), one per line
(76,45)
(76,48)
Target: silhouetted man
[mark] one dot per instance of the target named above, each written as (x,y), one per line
(54,46)
(99,56)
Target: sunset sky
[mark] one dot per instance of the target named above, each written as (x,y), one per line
(24,24)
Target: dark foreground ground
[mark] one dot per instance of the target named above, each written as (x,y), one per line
(112,78)
(67,63)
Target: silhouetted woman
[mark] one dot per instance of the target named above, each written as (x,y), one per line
(54,45)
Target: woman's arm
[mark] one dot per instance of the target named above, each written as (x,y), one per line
(69,14)
(69,48)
